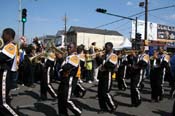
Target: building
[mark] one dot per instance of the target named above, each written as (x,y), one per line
(86,36)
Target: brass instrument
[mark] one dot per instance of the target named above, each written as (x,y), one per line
(37,56)
(57,50)
(95,54)
(1,43)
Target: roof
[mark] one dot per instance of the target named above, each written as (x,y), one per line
(92,30)
(60,32)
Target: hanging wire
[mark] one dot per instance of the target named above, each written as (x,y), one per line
(160,8)
(157,17)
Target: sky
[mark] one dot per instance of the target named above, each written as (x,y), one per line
(45,17)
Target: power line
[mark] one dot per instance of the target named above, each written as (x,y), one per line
(157,17)
(136,15)
(127,22)
(118,20)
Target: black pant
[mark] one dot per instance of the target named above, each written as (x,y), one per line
(5,109)
(89,75)
(173,112)
(64,97)
(121,78)
(135,83)
(104,87)
(79,89)
(46,85)
(156,81)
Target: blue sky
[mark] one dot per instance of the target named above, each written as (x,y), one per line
(46,16)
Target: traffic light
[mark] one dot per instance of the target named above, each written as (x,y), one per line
(138,37)
(24,15)
(138,41)
(101,10)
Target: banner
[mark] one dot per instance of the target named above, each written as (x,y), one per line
(151,33)
(165,32)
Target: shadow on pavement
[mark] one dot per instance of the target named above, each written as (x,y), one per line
(31,93)
(38,107)
(123,104)
(162,113)
(118,93)
(145,91)
(86,107)
(20,113)
(91,90)
(123,114)
(47,110)
(145,99)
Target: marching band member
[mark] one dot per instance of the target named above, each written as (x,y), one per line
(135,81)
(68,73)
(137,74)
(88,67)
(7,61)
(122,71)
(27,66)
(132,60)
(109,62)
(48,75)
(57,66)
(165,69)
(143,58)
(155,77)
(79,89)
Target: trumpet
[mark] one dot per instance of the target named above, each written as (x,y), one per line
(1,43)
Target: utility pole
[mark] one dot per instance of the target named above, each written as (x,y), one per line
(65,24)
(65,28)
(135,33)
(23,28)
(146,19)
(19,18)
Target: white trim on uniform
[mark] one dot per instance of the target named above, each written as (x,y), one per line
(4,94)
(163,76)
(140,79)
(73,105)
(70,88)
(110,99)
(138,92)
(80,86)
(48,82)
(125,67)
(69,95)
(109,80)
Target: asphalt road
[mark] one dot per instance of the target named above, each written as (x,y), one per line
(27,102)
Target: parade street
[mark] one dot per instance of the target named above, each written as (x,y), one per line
(27,102)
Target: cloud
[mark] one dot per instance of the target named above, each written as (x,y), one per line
(129,3)
(171,17)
